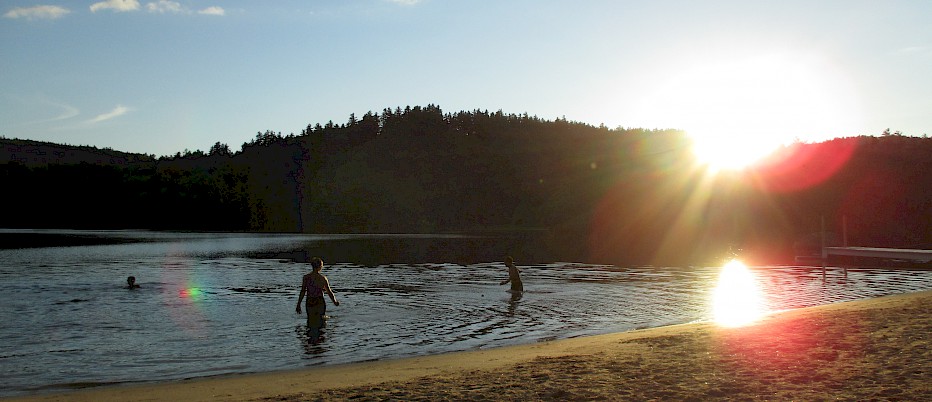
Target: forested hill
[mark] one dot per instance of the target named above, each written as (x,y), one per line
(593,193)
(38,153)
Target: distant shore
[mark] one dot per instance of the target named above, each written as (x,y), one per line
(877,349)
(36,240)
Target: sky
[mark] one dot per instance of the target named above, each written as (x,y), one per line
(160,77)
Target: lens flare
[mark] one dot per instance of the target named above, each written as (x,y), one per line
(803,166)
(737,299)
(191,293)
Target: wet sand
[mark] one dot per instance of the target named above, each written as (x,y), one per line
(876,349)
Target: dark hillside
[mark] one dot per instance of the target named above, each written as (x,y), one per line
(37,153)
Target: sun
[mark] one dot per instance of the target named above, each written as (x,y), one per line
(738,110)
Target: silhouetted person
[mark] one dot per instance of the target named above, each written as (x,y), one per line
(513,275)
(131,283)
(314,285)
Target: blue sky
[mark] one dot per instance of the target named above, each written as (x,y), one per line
(160,77)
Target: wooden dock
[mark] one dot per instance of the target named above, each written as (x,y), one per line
(909,254)
(878,252)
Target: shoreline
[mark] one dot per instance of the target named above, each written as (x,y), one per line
(864,349)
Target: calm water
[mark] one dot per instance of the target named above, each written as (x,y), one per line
(224,303)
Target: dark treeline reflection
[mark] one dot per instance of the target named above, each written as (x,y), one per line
(593,194)
(408,249)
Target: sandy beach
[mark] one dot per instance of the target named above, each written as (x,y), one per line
(875,349)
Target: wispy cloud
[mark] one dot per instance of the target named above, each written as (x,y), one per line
(45,109)
(37,12)
(213,11)
(116,5)
(174,7)
(67,112)
(405,2)
(118,111)
(156,7)
(165,7)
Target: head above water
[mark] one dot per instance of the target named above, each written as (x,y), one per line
(317,264)
(131,280)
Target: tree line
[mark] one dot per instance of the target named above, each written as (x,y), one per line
(622,195)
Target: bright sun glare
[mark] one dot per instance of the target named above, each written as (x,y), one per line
(737,300)
(738,111)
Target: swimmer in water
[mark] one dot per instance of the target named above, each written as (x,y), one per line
(131,283)
(513,275)
(314,285)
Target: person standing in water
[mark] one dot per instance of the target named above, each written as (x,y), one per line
(513,275)
(314,285)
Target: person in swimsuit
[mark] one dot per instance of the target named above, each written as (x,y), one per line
(513,276)
(314,285)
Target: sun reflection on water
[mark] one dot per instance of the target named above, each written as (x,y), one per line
(737,299)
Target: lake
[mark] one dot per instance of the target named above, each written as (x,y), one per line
(223,303)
